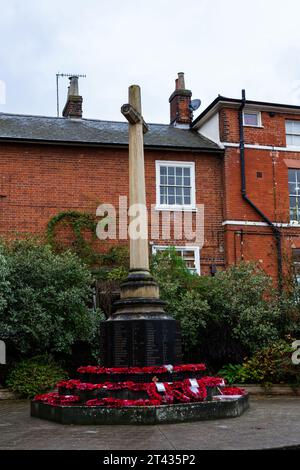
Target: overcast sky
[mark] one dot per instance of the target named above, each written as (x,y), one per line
(222,46)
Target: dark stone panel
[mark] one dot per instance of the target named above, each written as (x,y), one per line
(143,342)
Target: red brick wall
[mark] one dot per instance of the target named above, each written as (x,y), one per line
(39,181)
(251,244)
(269,192)
(266,184)
(272,131)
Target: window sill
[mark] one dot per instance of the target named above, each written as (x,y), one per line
(288,224)
(176,209)
(256,127)
(292,147)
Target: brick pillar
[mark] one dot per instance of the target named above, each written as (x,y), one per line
(180,100)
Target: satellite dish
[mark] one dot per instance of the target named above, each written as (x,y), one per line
(195,104)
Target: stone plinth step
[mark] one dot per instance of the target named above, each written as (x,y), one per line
(6,394)
(176,413)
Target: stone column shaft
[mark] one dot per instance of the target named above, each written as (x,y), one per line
(139,250)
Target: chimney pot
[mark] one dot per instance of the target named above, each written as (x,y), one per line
(181,84)
(73,87)
(73,106)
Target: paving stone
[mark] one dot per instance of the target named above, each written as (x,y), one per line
(269,423)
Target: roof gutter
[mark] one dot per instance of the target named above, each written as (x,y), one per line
(276,230)
(222,101)
(177,148)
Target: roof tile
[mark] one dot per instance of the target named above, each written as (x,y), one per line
(92,131)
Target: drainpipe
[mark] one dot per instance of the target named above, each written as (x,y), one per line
(275,230)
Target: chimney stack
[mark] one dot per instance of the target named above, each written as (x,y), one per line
(180,113)
(73,106)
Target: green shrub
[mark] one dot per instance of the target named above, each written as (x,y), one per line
(43,300)
(225,317)
(231,373)
(34,376)
(183,302)
(5,287)
(289,304)
(117,274)
(269,365)
(169,268)
(191,311)
(116,256)
(244,300)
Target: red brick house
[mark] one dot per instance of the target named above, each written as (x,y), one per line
(240,159)
(261,174)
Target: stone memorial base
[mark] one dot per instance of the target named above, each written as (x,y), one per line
(147,395)
(163,414)
(140,333)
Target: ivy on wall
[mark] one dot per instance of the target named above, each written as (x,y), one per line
(116,257)
(79,222)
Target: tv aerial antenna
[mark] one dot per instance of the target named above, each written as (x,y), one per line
(58,76)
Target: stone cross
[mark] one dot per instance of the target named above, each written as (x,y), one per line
(139,333)
(139,251)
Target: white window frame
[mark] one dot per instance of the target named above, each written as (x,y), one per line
(195,249)
(294,221)
(292,134)
(252,111)
(296,264)
(174,207)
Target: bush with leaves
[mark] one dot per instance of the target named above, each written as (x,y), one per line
(5,287)
(34,376)
(184,302)
(289,304)
(225,317)
(108,288)
(231,373)
(43,300)
(269,365)
(245,302)
(116,256)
